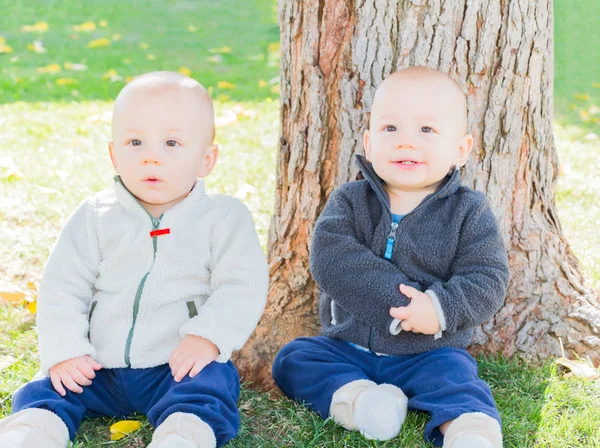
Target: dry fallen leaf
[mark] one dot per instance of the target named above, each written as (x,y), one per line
(185,71)
(65,81)
(225,85)
(12,294)
(5,48)
(39,27)
(97,43)
(581,369)
(86,26)
(122,428)
(52,68)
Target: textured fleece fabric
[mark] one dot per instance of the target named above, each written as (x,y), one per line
(112,291)
(449,246)
(211,395)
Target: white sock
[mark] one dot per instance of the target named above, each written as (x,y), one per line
(377,411)
(473,429)
(175,441)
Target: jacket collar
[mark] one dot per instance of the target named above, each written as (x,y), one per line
(130,202)
(450,185)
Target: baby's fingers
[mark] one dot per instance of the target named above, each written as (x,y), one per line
(406,326)
(409,291)
(183,370)
(400,312)
(70,384)
(58,387)
(80,378)
(92,362)
(198,366)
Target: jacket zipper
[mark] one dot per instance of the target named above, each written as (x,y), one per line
(389,247)
(138,295)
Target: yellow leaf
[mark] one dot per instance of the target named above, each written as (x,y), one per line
(110,74)
(220,50)
(5,48)
(596,85)
(585,115)
(116,37)
(223,98)
(225,85)
(216,58)
(103,23)
(185,71)
(86,26)
(32,307)
(39,27)
(143,45)
(103,42)
(262,83)
(150,57)
(192,28)
(129,79)
(122,428)
(65,81)
(274,47)
(31,285)
(52,68)
(2,40)
(572,107)
(67,65)
(37,46)
(12,294)
(581,96)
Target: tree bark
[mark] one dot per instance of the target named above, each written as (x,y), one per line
(333,55)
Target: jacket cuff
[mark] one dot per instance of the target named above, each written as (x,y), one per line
(440,312)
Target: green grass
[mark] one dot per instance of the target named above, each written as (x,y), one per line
(577,65)
(250,31)
(59,151)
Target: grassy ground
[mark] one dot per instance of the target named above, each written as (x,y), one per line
(54,155)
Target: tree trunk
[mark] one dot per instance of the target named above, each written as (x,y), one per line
(333,55)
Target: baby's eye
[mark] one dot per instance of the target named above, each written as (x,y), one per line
(389,128)
(172,143)
(426,130)
(136,142)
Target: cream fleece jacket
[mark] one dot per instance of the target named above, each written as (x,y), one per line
(115,292)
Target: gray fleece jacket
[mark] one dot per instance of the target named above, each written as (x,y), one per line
(449,246)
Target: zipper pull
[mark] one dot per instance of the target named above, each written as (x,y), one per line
(389,247)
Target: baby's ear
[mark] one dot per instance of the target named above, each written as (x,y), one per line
(367,144)
(464,149)
(113,159)
(209,160)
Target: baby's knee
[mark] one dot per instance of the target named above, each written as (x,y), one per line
(289,359)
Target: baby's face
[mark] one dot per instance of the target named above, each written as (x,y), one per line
(417,132)
(162,141)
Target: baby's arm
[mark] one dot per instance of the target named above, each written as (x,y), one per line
(239,280)
(362,283)
(66,291)
(479,274)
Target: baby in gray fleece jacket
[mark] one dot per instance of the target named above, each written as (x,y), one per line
(409,261)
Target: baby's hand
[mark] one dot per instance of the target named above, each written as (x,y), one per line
(191,355)
(74,373)
(420,315)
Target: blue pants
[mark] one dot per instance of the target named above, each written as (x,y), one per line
(443,382)
(211,395)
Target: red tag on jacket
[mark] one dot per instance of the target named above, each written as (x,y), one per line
(160,232)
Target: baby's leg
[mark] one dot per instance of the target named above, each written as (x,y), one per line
(199,412)
(445,383)
(41,417)
(333,379)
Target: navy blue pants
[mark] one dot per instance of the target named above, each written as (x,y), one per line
(211,395)
(443,382)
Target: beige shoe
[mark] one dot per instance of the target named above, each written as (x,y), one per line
(183,430)
(473,430)
(377,411)
(33,428)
